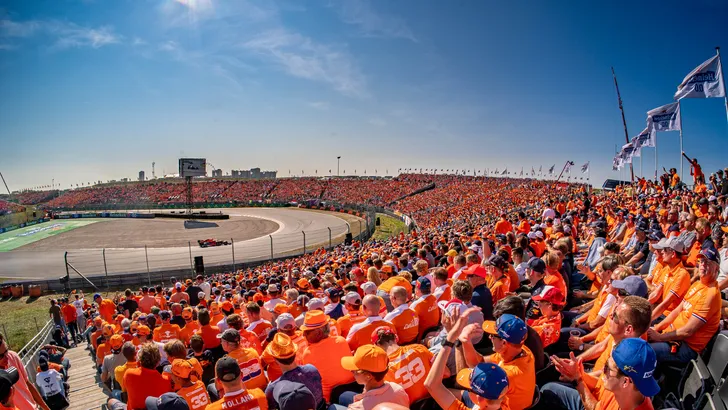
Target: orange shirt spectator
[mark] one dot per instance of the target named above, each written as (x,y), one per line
(209,336)
(69,313)
(141,383)
(428,313)
(167,332)
(251,367)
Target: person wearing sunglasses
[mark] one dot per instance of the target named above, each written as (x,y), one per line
(24,394)
(675,278)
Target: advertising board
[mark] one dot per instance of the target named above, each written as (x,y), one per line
(192,167)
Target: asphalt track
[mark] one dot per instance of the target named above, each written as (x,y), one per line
(39,261)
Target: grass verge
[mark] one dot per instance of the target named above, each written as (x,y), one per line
(388,227)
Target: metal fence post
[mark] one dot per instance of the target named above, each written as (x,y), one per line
(304,242)
(189,244)
(149,275)
(106,271)
(348,227)
(360,231)
(232,243)
(271,246)
(330,238)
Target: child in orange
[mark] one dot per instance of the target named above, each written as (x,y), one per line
(548,326)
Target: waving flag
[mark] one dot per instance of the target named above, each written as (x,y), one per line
(646,138)
(533,172)
(505,171)
(568,166)
(585,168)
(665,118)
(521,171)
(551,170)
(705,81)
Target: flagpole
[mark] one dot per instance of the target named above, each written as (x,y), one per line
(681,143)
(725,94)
(655,157)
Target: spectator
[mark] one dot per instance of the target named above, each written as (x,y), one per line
(186,377)
(284,350)
(237,395)
(404,319)
(360,333)
(111,361)
(370,366)
(425,305)
(167,401)
(50,383)
(477,276)
(408,365)
(143,381)
(247,358)
(129,352)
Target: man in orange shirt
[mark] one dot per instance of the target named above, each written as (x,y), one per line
(179,294)
(192,390)
(191,326)
(209,333)
(500,284)
(360,333)
(408,365)
(352,303)
(144,381)
(523,227)
(237,396)
(425,305)
(69,316)
(146,302)
(247,358)
(675,280)
(692,324)
(442,288)
(502,227)
(107,308)
(325,352)
(257,325)
(405,320)
(104,348)
(166,331)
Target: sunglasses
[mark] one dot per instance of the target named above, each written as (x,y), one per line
(622,293)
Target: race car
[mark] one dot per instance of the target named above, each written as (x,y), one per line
(206,243)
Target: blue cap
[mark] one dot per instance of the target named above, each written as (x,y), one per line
(423,283)
(636,359)
(167,401)
(487,380)
(292,395)
(96,295)
(710,254)
(510,328)
(634,285)
(537,265)
(655,235)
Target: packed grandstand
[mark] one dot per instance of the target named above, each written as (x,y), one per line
(511,294)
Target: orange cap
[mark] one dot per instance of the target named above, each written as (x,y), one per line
(314,319)
(280,308)
(303,283)
(187,313)
(120,317)
(227,306)
(116,341)
(369,358)
(281,347)
(107,330)
(387,269)
(257,297)
(134,326)
(143,330)
(183,368)
(98,321)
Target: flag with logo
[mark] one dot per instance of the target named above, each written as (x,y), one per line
(665,118)
(628,152)
(705,81)
(617,162)
(646,138)
(567,167)
(551,170)
(505,171)
(585,168)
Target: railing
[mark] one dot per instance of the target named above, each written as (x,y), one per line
(29,353)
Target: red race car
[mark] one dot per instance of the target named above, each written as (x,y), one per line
(207,243)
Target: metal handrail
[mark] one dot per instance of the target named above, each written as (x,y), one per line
(31,348)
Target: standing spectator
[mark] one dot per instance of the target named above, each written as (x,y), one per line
(55,312)
(79,304)
(179,294)
(147,301)
(106,307)
(425,305)
(130,305)
(70,316)
(23,394)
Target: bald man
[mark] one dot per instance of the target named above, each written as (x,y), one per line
(404,319)
(361,333)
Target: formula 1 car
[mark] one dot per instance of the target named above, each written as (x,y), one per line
(207,243)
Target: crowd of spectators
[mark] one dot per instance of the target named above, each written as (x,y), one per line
(512,294)
(7,207)
(35,197)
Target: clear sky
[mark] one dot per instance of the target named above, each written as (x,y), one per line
(99,89)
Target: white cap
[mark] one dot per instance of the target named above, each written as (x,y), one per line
(369,288)
(539,234)
(532,235)
(178,285)
(315,303)
(352,298)
(273,288)
(672,243)
(285,320)
(712,198)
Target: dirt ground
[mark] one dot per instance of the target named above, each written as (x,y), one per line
(155,233)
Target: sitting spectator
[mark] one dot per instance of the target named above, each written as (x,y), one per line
(425,305)
(247,358)
(167,401)
(50,384)
(203,356)
(129,352)
(404,319)
(415,359)
(236,395)
(292,396)
(370,367)
(186,379)
(283,350)
(360,333)
(112,361)
(478,276)
(550,302)
(143,381)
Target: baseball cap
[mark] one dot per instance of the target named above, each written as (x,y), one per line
(107,330)
(167,401)
(280,308)
(303,283)
(227,369)
(633,285)
(143,330)
(477,270)
(116,342)
(537,265)
(369,358)
(655,235)
(551,294)
(292,395)
(8,378)
(182,368)
(178,285)
(227,306)
(281,347)
(672,243)
(314,319)
(285,320)
(451,252)
(710,254)
(487,380)
(369,287)
(636,359)
(423,283)
(352,298)
(508,327)
(315,303)
(334,292)
(97,295)
(165,314)
(230,335)
(43,363)
(273,288)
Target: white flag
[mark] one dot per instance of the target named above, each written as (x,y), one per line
(568,166)
(646,138)
(551,170)
(665,118)
(505,171)
(585,168)
(704,82)
(616,163)
(628,152)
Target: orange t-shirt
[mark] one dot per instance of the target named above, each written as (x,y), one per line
(107,310)
(553,278)
(251,367)
(691,260)
(521,378)
(388,284)
(405,320)
(408,367)
(702,302)
(186,333)
(524,227)
(250,339)
(513,281)
(345,323)
(209,336)
(141,383)
(102,351)
(196,395)
(428,313)
(260,327)
(499,288)
(503,227)
(361,334)
(94,337)
(69,313)
(241,400)
(326,357)
(167,332)
(549,328)
(677,282)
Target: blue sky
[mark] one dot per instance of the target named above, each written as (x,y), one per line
(96,90)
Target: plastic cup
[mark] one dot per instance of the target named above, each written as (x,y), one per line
(574,333)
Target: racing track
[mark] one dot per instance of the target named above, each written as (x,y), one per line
(88,259)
